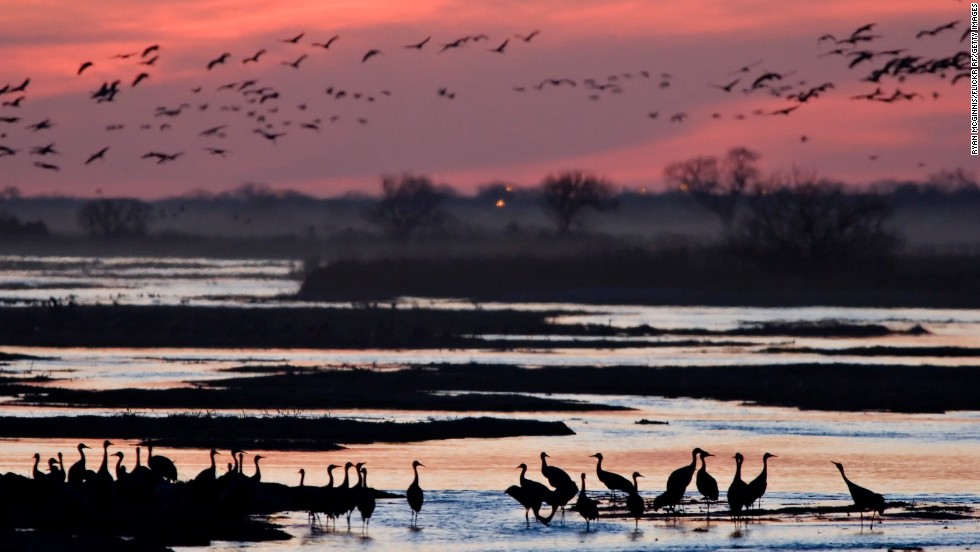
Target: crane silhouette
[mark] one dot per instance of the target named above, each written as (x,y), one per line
(565,487)
(738,491)
(587,507)
(677,484)
(414,494)
(612,481)
(706,484)
(864,499)
(757,487)
(77,472)
(538,493)
(161,465)
(366,502)
(634,502)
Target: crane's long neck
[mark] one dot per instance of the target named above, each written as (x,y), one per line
(738,468)
(302,478)
(765,464)
(346,483)
(704,463)
(523,471)
(61,462)
(241,460)
(81,452)
(119,465)
(330,475)
(544,463)
(37,461)
(360,477)
(364,478)
(105,458)
(583,482)
(213,467)
(258,471)
(694,460)
(138,462)
(416,480)
(636,485)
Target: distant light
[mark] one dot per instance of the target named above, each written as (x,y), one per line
(683,187)
(500,203)
(509,190)
(643,191)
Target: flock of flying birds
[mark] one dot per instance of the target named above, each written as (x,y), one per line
(270,118)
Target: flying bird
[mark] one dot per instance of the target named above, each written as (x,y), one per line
(326,45)
(218,60)
(419,45)
(41,125)
(97,155)
(726,87)
(528,37)
(255,57)
(140,78)
(370,54)
(84,66)
(785,110)
(47,166)
(933,32)
(295,64)
(150,49)
(500,49)
(293,40)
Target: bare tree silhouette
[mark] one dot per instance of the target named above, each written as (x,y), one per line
(716,184)
(566,194)
(409,204)
(802,221)
(114,217)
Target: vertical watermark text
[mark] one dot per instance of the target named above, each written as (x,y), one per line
(974,79)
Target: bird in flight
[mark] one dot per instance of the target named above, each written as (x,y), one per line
(255,57)
(785,110)
(500,49)
(150,49)
(326,45)
(44,150)
(84,66)
(293,40)
(528,37)
(162,157)
(295,64)
(140,78)
(419,45)
(47,166)
(933,32)
(269,135)
(218,60)
(97,155)
(370,54)
(726,87)
(41,125)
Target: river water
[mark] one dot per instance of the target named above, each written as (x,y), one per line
(926,459)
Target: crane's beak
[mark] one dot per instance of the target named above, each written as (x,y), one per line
(421,465)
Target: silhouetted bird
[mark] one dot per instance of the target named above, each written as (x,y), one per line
(218,60)
(587,507)
(706,484)
(161,465)
(120,469)
(634,502)
(864,499)
(738,491)
(140,78)
(295,64)
(612,481)
(326,45)
(77,473)
(538,492)
(293,40)
(85,65)
(414,494)
(933,32)
(757,487)
(529,36)
(419,45)
(677,484)
(97,155)
(370,54)
(565,487)
(366,502)
(150,49)
(500,49)
(255,57)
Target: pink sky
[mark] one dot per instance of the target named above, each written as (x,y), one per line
(488,131)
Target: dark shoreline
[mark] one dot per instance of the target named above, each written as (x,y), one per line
(269,433)
(834,387)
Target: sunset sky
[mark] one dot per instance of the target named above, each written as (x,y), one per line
(490,123)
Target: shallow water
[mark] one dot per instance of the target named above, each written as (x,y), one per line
(921,458)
